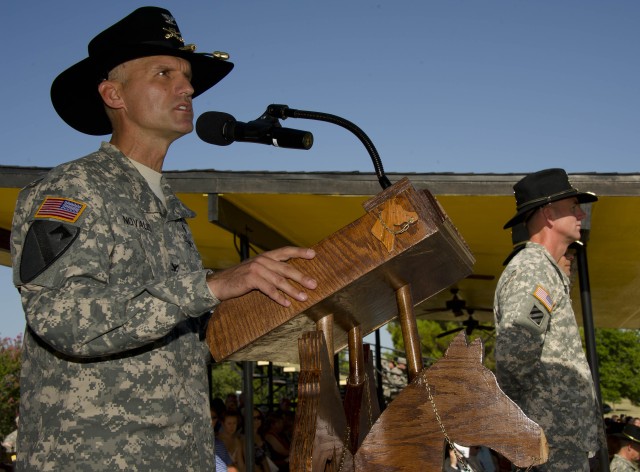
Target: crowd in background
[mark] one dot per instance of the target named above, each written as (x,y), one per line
(272,434)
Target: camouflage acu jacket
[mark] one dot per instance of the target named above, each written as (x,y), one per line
(620,464)
(115,299)
(540,362)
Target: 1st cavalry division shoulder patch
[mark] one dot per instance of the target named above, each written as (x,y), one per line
(62,209)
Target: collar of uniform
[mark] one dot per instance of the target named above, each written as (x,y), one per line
(147,201)
(175,209)
(539,247)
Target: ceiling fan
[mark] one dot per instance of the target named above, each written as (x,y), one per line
(457,306)
(469,325)
(481,276)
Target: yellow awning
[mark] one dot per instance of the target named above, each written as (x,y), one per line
(304,208)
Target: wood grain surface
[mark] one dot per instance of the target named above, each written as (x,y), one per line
(471,408)
(359,269)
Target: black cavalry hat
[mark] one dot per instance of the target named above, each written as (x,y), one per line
(148,31)
(630,432)
(543,187)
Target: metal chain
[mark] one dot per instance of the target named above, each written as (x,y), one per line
(405,226)
(368,399)
(344,448)
(455,450)
(459,456)
(530,467)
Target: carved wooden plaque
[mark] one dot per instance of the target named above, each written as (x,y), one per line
(460,397)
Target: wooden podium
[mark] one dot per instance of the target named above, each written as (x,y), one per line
(404,240)
(402,251)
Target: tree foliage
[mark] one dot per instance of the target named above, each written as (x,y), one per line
(10,361)
(432,347)
(619,364)
(618,355)
(226,378)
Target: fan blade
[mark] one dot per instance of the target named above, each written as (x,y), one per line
(481,276)
(488,336)
(451,331)
(475,308)
(485,328)
(435,310)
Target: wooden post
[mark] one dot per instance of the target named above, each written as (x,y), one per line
(409,331)
(325,324)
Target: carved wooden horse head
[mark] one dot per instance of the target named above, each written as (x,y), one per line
(457,396)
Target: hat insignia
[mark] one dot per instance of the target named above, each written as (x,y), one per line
(173,33)
(169,19)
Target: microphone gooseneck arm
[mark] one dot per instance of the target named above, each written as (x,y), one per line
(284,112)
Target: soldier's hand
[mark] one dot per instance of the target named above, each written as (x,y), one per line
(268,272)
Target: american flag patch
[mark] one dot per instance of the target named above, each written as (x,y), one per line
(62,209)
(544,297)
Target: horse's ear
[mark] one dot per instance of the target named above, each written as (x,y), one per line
(459,348)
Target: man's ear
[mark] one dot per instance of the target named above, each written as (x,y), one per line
(109,90)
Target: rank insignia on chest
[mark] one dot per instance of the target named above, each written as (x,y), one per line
(543,297)
(62,209)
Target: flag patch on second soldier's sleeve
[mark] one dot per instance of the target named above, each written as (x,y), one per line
(543,296)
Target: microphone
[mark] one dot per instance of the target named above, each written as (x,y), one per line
(222,129)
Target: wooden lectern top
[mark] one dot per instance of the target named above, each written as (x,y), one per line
(404,238)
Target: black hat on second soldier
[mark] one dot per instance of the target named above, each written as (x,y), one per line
(543,187)
(148,31)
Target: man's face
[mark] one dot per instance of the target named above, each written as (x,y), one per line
(565,262)
(156,95)
(567,216)
(634,452)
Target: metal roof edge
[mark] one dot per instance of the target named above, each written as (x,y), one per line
(351,183)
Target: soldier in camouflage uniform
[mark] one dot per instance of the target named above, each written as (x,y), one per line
(540,362)
(113,288)
(627,459)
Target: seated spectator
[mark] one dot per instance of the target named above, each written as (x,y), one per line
(217,410)
(228,435)
(221,466)
(231,402)
(221,451)
(277,442)
(261,458)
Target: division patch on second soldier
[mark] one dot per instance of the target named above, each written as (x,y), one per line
(532,312)
(536,315)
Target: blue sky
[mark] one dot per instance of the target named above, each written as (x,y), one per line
(439,86)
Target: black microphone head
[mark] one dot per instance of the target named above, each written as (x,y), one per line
(210,127)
